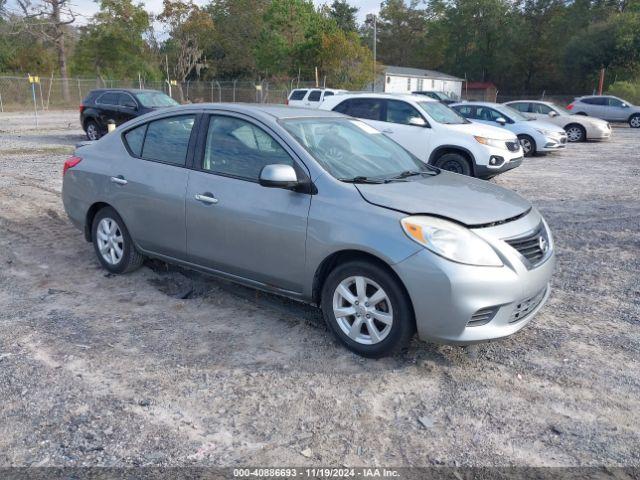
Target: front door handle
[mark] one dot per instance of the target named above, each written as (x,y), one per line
(387,130)
(206,198)
(119,180)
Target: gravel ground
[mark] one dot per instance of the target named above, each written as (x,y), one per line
(167,367)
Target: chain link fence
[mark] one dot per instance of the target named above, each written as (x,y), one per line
(16,93)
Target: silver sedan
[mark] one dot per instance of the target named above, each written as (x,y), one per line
(319,207)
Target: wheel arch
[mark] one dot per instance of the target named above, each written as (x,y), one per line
(444,149)
(91,214)
(342,256)
(576,124)
(88,118)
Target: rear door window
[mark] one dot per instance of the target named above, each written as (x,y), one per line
(523,107)
(109,98)
(367,108)
(314,96)
(167,139)
(297,95)
(467,111)
(595,101)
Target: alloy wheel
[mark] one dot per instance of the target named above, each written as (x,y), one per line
(574,134)
(526,145)
(635,122)
(362,310)
(92,131)
(110,241)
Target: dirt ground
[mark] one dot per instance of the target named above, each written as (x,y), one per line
(167,367)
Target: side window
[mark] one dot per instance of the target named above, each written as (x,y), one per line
(521,106)
(124,99)
(297,95)
(134,139)
(367,108)
(541,108)
(488,114)
(466,111)
(238,148)
(167,140)
(314,96)
(614,102)
(400,112)
(327,94)
(109,98)
(343,107)
(595,101)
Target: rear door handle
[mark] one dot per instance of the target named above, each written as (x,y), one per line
(119,180)
(206,198)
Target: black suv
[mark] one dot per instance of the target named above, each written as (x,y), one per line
(119,105)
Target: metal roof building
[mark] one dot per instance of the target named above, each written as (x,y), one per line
(406,80)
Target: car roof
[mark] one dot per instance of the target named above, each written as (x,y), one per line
(545,102)
(265,111)
(128,90)
(481,104)
(395,96)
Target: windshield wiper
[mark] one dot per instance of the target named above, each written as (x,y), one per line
(412,173)
(361,179)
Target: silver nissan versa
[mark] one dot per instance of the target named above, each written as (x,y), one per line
(320,207)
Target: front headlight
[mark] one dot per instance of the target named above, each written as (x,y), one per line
(491,142)
(450,240)
(543,131)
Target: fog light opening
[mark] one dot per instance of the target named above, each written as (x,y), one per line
(496,161)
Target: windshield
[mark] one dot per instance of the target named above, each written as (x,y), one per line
(156,99)
(351,150)
(441,113)
(514,114)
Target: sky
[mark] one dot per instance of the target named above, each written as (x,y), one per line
(88,7)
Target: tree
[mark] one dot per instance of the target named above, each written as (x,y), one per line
(113,43)
(344,15)
(49,19)
(345,61)
(190,29)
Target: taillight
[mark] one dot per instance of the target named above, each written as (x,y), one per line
(81,108)
(570,106)
(70,163)
(286,101)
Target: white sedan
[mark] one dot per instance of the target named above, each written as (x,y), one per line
(578,127)
(535,136)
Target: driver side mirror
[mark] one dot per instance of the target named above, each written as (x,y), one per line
(279,176)
(131,105)
(553,113)
(418,122)
(624,105)
(501,120)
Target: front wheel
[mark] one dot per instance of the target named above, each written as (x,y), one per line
(367,309)
(528,145)
(575,133)
(634,121)
(112,243)
(454,162)
(92,130)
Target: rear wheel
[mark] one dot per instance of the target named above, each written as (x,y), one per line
(634,121)
(575,133)
(367,309)
(528,145)
(112,243)
(92,130)
(454,162)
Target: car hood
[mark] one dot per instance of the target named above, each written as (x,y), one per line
(544,125)
(482,130)
(467,200)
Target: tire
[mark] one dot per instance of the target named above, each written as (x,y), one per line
(634,120)
(92,130)
(384,328)
(528,145)
(454,162)
(575,133)
(108,241)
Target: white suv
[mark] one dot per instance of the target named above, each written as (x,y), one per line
(310,97)
(433,132)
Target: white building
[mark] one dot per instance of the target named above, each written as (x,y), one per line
(407,80)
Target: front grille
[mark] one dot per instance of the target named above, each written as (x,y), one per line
(526,306)
(482,316)
(533,247)
(513,146)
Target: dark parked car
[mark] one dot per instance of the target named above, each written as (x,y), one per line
(119,105)
(442,97)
